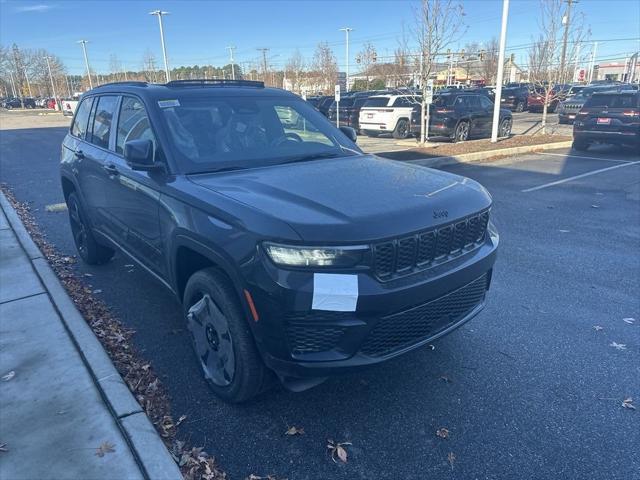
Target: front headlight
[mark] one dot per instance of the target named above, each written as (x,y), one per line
(295,256)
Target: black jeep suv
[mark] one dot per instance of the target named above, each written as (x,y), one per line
(291,251)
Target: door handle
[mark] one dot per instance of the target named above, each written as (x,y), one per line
(111,169)
(79,154)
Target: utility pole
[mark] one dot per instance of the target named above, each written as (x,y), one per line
(53,87)
(159,14)
(264,62)
(592,63)
(346,31)
(498,96)
(565,21)
(233,68)
(26,77)
(86,60)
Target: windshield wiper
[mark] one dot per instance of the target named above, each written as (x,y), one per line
(217,170)
(312,156)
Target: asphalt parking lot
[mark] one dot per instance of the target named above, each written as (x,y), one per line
(529,389)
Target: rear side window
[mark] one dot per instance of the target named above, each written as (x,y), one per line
(79,127)
(377,102)
(612,101)
(485,103)
(102,120)
(133,123)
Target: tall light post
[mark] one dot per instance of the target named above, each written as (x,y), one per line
(498,95)
(346,31)
(53,87)
(86,60)
(233,68)
(592,63)
(159,14)
(26,77)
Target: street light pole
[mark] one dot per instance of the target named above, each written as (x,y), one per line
(159,14)
(565,36)
(592,63)
(233,68)
(26,77)
(498,96)
(86,60)
(346,30)
(53,87)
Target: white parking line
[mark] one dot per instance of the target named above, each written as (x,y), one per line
(585,158)
(569,179)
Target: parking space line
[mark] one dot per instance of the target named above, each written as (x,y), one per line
(588,174)
(586,158)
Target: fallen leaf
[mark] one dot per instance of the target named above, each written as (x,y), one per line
(3,447)
(595,206)
(618,346)
(294,431)
(432,347)
(565,231)
(97,290)
(445,379)
(342,453)
(337,450)
(597,328)
(442,433)
(181,419)
(451,458)
(628,403)
(129,265)
(105,448)
(8,376)
(629,320)
(88,274)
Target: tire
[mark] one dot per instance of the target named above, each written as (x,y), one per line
(402,129)
(461,132)
(580,145)
(88,247)
(220,333)
(504,129)
(520,107)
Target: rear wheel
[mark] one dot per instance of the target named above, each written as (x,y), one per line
(462,132)
(504,129)
(580,145)
(402,129)
(520,107)
(221,337)
(88,247)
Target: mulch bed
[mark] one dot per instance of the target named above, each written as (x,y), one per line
(137,372)
(472,146)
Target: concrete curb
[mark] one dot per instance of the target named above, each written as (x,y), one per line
(150,452)
(487,154)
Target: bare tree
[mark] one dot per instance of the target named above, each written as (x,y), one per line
(294,69)
(367,57)
(438,26)
(325,66)
(545,53)
(489,61)
(115,67)
(149,66)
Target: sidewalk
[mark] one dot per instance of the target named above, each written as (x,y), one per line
(65,412)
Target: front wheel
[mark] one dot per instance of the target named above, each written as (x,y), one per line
(221,337)
(504,129)
(402,129)
(520,107)
(462,132)
(88,247)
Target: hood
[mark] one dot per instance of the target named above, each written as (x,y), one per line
(351,199)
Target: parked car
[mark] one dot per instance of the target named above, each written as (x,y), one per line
(489,92)
(388,114)
(290,250)
(324,104)
(515,98)
(25,102)
(568,109)
(69,106)
(462,116)
(350,107)
(612,118)
(314,101)
(537,96)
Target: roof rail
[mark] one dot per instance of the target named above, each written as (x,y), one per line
(215,81)
(129,82)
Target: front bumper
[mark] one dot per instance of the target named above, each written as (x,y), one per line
(391,318)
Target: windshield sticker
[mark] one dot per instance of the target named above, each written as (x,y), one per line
(168,103)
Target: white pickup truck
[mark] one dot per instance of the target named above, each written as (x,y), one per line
(388,114)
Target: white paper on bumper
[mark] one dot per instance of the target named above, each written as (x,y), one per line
(334,292)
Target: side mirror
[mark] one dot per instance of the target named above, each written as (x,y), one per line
(139,154)
(350,133)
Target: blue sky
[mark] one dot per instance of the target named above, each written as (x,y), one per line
(197,32)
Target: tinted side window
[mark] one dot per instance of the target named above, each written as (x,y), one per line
(79,127)
(133,123)
(103,120)
(473,102)
(485,103)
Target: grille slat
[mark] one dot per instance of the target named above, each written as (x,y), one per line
(411,326)
(419,251)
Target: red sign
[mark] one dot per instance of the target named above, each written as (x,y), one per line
(581,75)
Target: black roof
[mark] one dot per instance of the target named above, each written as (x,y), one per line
(191,87)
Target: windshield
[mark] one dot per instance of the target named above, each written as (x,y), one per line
(218,133)
(612,101)
(376,102)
